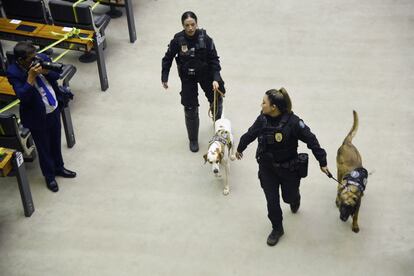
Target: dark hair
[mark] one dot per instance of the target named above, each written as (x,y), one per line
(280,98)
(188,14)
(23,49)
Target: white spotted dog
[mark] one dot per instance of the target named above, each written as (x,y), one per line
(221,150)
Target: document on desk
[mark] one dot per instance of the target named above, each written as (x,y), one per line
(15,21)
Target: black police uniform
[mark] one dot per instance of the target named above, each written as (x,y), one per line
(277,157)
(197,62)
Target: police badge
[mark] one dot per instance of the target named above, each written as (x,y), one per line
(184,48)
(278,136)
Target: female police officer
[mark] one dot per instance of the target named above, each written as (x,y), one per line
(278,131)
(197,62)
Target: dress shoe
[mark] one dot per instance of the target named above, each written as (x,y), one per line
(274,236)
(294,207)
(52,185)
(66,173)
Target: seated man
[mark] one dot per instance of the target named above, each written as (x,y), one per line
(39,95)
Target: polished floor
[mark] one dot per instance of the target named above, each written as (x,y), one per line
(142,204)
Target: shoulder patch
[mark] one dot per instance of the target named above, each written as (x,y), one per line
(301,124)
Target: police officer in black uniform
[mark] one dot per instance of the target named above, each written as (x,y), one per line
(197,62)
(278,130)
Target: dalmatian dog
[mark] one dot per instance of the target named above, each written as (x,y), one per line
(221,150)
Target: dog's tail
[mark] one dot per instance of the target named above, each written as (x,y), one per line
(353,131)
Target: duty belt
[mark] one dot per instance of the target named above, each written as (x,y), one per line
(286,164)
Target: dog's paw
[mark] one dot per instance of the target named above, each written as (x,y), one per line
(226,191)
(355,229)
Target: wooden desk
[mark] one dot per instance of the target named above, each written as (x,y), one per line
(43,36)
(81,44)
(14,159)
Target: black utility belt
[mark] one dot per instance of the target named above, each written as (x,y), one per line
(299,164)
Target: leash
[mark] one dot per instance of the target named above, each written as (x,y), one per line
(331,176)
(215,102)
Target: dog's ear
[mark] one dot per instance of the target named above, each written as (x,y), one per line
(220,156)
(205,158)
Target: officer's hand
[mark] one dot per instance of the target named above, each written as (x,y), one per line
(215,85)
(165,85)
(325,170)
(239,155)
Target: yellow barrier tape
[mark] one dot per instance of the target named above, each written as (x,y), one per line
(10,105)
(74,9)
(62,54)
(95,5)
(74,33)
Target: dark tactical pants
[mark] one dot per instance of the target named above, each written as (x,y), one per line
(189,89)
(271,179)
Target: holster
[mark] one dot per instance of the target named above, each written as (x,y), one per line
(303,162)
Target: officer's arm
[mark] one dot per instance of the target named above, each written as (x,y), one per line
(168,59)
(250,135)
(214,60)
(305,135)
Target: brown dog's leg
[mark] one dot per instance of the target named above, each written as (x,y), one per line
(355,226)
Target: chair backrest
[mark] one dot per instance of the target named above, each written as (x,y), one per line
(9,132)
(63,14)
(3,62)
(13,137)
(28,10)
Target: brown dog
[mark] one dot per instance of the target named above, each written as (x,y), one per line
(352,176)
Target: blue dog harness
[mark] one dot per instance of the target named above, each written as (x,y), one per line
(358,177)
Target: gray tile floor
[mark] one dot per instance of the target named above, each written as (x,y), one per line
(142,204)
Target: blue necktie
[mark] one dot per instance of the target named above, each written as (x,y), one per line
(49,95)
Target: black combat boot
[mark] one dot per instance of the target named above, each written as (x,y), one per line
(219,108)
(192,123)
(275,235)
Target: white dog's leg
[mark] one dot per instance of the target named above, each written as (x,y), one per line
(226,189)
(232,156)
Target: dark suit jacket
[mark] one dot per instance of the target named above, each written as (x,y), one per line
(32,108)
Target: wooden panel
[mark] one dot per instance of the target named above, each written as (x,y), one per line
(6,164)
(5,87)
(6,26)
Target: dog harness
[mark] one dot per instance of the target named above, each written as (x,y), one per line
(358,177)
(224,138)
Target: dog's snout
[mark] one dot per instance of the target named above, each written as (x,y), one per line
(215,170)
